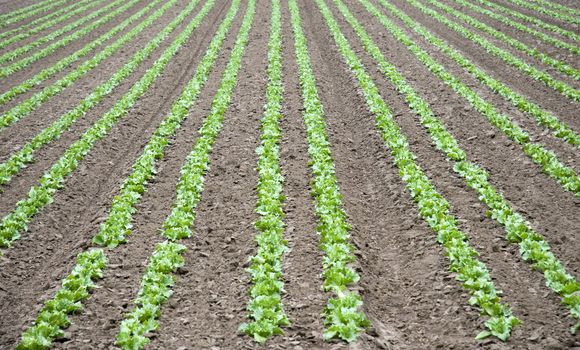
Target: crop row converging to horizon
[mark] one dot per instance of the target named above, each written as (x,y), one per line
(149,37)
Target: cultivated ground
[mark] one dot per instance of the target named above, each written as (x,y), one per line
(409,294)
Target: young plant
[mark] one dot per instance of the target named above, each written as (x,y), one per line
(53,317)
(131,190)
(517,229)
(265,307)
(158,278)
(433,208)
(343,317)
(50,49)
(41,195)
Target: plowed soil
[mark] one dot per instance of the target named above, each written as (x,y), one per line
(411,298)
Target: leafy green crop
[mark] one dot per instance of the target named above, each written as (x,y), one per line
(119,218)
(433,208)
(22,49)
(504,55)
(41,195)
(118,224)
(517,229)
(342,316)
(62,64)
(28,60)
(46,25)
(158,279)
(560,66)
(540,35)
(18,160)
(53,317)
(542,116)
(29,105)
(29,11)
(531,19)
(559,7)
(543,9)
(22,10)
(43,23)
(265,307)
(550,164)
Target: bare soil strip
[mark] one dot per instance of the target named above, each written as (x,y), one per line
(57,235)
(409,295)
(73,46)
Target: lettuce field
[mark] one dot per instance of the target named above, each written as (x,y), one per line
(295,174)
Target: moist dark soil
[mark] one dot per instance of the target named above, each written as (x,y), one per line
(411,298)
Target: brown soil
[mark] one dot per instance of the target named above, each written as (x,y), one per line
(544,17)
(412,299)
(531,41)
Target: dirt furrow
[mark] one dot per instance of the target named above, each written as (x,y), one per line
(523,287)
(555,52)
(47,155)
(87,83)
(543,95)
(73,46)
(65,228)
(211,290)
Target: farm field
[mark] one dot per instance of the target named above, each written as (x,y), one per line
(296,174)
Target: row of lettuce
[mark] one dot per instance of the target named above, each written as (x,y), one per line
(22,49)
(25,155)
(29,11)
(343,316)
(91,264)
(40,25)
(265,307)
(21,64)
(41,195)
